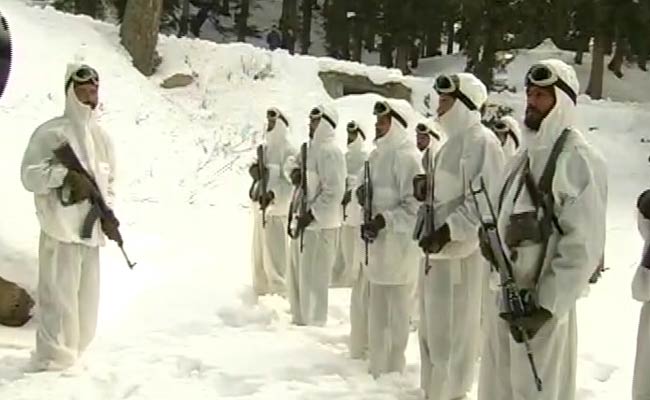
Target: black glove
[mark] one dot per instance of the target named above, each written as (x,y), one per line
(370,231)
(361,195)
(305,220)
(266,199)
(484,245)
(531,322)
(254,171)
(296,176)
(643,204)
(347,197)
(434,243)
(110,228)
(420,187)
(81,188)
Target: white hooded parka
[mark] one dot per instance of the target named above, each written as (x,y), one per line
(579,189)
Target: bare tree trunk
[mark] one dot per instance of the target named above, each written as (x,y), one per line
(386,54)
(289,24)
(225,7)
(305,32)
(450,36)
(356,34)
(185,19)
(402,58)
(595,87)
(242,20)
(616,62)
(139,32)
(434,38)
(86,7)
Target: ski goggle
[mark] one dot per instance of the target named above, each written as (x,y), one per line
(382,108)
(317,113)
(450,85)
(273,114)
(353,127)
(422,129)
(543,76)
(84,74)
(500,127)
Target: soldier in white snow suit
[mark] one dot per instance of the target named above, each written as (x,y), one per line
(68,277)
(315,228)
(393,255)
(553,254)
(451,290)
(641,292)
(429,139)
(507,130)
(348,260)
(271,206)
(350,251)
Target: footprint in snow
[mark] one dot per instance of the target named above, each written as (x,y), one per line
(602,372)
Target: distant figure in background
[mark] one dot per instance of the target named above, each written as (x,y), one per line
(289,40)
(68,266)
(274,38)
(641,292)
(509,135)
(428,136)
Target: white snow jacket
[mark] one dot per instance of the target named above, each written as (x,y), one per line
(470,153)
(509,147)
(580,193)
(354,160)
(326,173)
(42,175)
(393,256)
(641,280)
(278,152)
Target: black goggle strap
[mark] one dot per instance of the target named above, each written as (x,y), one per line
(382,108)
(450,84)
(317,113)
(274,114)
(543,76)
(82,75)
(424,130)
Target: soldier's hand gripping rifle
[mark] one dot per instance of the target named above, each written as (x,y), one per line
(514,302)
(99,209)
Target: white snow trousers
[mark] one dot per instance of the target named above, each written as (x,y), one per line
(505,370)
(309,276)
(359,301)
(270,254)
(348,258)
(388,330)
(450,334)
(641,383)
(68,299)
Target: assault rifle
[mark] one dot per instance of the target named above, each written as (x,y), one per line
(367,203)
(264,180)
(99,209)
(425,223)
(298,206)
(511,293)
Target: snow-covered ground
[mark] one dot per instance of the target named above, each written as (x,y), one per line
(185,323)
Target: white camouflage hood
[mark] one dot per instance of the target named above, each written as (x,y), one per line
(459,118)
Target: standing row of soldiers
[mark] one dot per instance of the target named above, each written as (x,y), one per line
(492,240)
